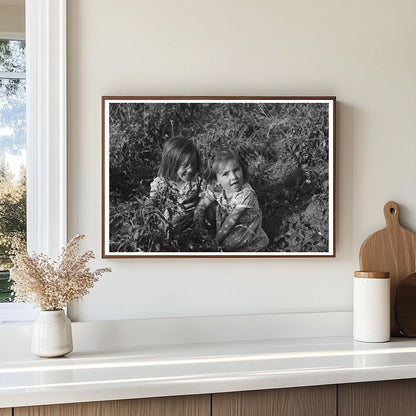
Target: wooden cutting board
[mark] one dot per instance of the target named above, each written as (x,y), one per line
(393,250)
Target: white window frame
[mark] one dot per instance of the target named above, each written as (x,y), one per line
(46,133)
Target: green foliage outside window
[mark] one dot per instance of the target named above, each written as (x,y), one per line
(12,223)
(12,145)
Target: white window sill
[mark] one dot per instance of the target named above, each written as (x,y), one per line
(16,313)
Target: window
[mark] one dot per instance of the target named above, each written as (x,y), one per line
(12,152)
(12,165)
(46,135)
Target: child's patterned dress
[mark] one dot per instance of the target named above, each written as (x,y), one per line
(248,234)
(175,201)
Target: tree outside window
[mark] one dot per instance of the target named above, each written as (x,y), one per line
(12,156)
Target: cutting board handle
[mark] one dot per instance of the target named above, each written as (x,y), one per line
(391,214)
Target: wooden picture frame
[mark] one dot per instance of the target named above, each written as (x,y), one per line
(284,149)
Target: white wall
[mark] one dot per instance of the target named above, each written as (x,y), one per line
(363,52)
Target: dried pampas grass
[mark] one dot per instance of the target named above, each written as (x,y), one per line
(53,285)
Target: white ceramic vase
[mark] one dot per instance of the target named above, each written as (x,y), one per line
(52,334)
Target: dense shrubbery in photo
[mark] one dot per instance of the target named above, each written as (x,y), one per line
(284,145)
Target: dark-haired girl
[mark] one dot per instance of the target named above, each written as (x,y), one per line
(178,187)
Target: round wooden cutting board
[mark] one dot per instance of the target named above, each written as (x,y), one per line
(393,250)
(405,305)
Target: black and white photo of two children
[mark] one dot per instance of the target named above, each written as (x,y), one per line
(218,176)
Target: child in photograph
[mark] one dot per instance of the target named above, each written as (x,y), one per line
(238,215)
(178,187)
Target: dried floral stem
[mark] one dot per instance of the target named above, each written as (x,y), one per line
(53,285)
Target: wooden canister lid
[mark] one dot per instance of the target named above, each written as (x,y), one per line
(372,275)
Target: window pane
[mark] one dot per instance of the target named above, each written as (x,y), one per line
(12,56)
(5,292)
(12,174)
(12,119)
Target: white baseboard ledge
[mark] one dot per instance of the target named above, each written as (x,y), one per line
(127,334)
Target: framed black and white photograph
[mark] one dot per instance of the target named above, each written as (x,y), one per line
(218,176)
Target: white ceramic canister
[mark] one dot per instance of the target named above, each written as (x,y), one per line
(371,309)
